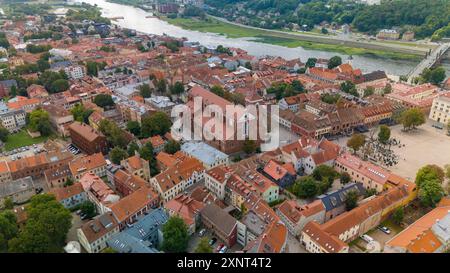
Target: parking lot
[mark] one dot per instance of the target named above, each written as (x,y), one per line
(359,245)
(76,224)
(195,239)
(22,152)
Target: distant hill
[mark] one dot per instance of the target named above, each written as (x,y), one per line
(425,17)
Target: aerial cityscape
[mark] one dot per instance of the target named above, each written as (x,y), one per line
(224,126)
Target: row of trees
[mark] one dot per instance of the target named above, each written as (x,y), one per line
(424,17)
(161,87)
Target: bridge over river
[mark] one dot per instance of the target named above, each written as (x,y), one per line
(431,59)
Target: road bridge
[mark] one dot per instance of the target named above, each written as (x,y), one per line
(431,59)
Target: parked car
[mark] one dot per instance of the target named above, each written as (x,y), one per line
(219,247)
(366,238)
(212,241)
(223,250)
(385,230)
(78,212)
(202,232)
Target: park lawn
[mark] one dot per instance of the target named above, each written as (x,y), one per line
(213,26)
(22,139)
(233,31)
(292,43)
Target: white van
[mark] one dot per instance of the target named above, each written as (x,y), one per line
(367,238)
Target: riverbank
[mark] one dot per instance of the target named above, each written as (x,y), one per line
(282,39)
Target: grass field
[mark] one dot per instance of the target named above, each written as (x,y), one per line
(233,31)
(22,139)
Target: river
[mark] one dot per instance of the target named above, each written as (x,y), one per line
(134,18)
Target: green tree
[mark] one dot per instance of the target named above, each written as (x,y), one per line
(434,75)
(43,65)
(157,124)
(8,229)
(412,118)
(249,146)
(8,203)
(80,113)
(387,89)
(132,148)
(398,215)
(305,187)
(172,147)
(334,62)
(429,172)
(134,127)
(384,134)
(3,133)
(161,86)
(88,208)
(103,100)
(324,172)
(311,62)
(117,154)
(351,200)
(350,88)
(345,178)
(92,68)
(46,229)
(430,193)
(203,246)
(145,91)
(356,142)
(175,235)
(39,120)
(177,88)
(370,192)
(69,182)
(147,151)
(370,90)
(429,182)
(330,98)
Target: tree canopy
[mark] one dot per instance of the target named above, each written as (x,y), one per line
(429,180)
(157,124)
(412,118)
(46,229)
(117,154)
(356,142)
(384,134)
(103,100)
(172,147)
(305,187)
(203,246)
(175,235)
(39,121)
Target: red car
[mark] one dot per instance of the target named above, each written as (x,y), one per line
(219,247)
